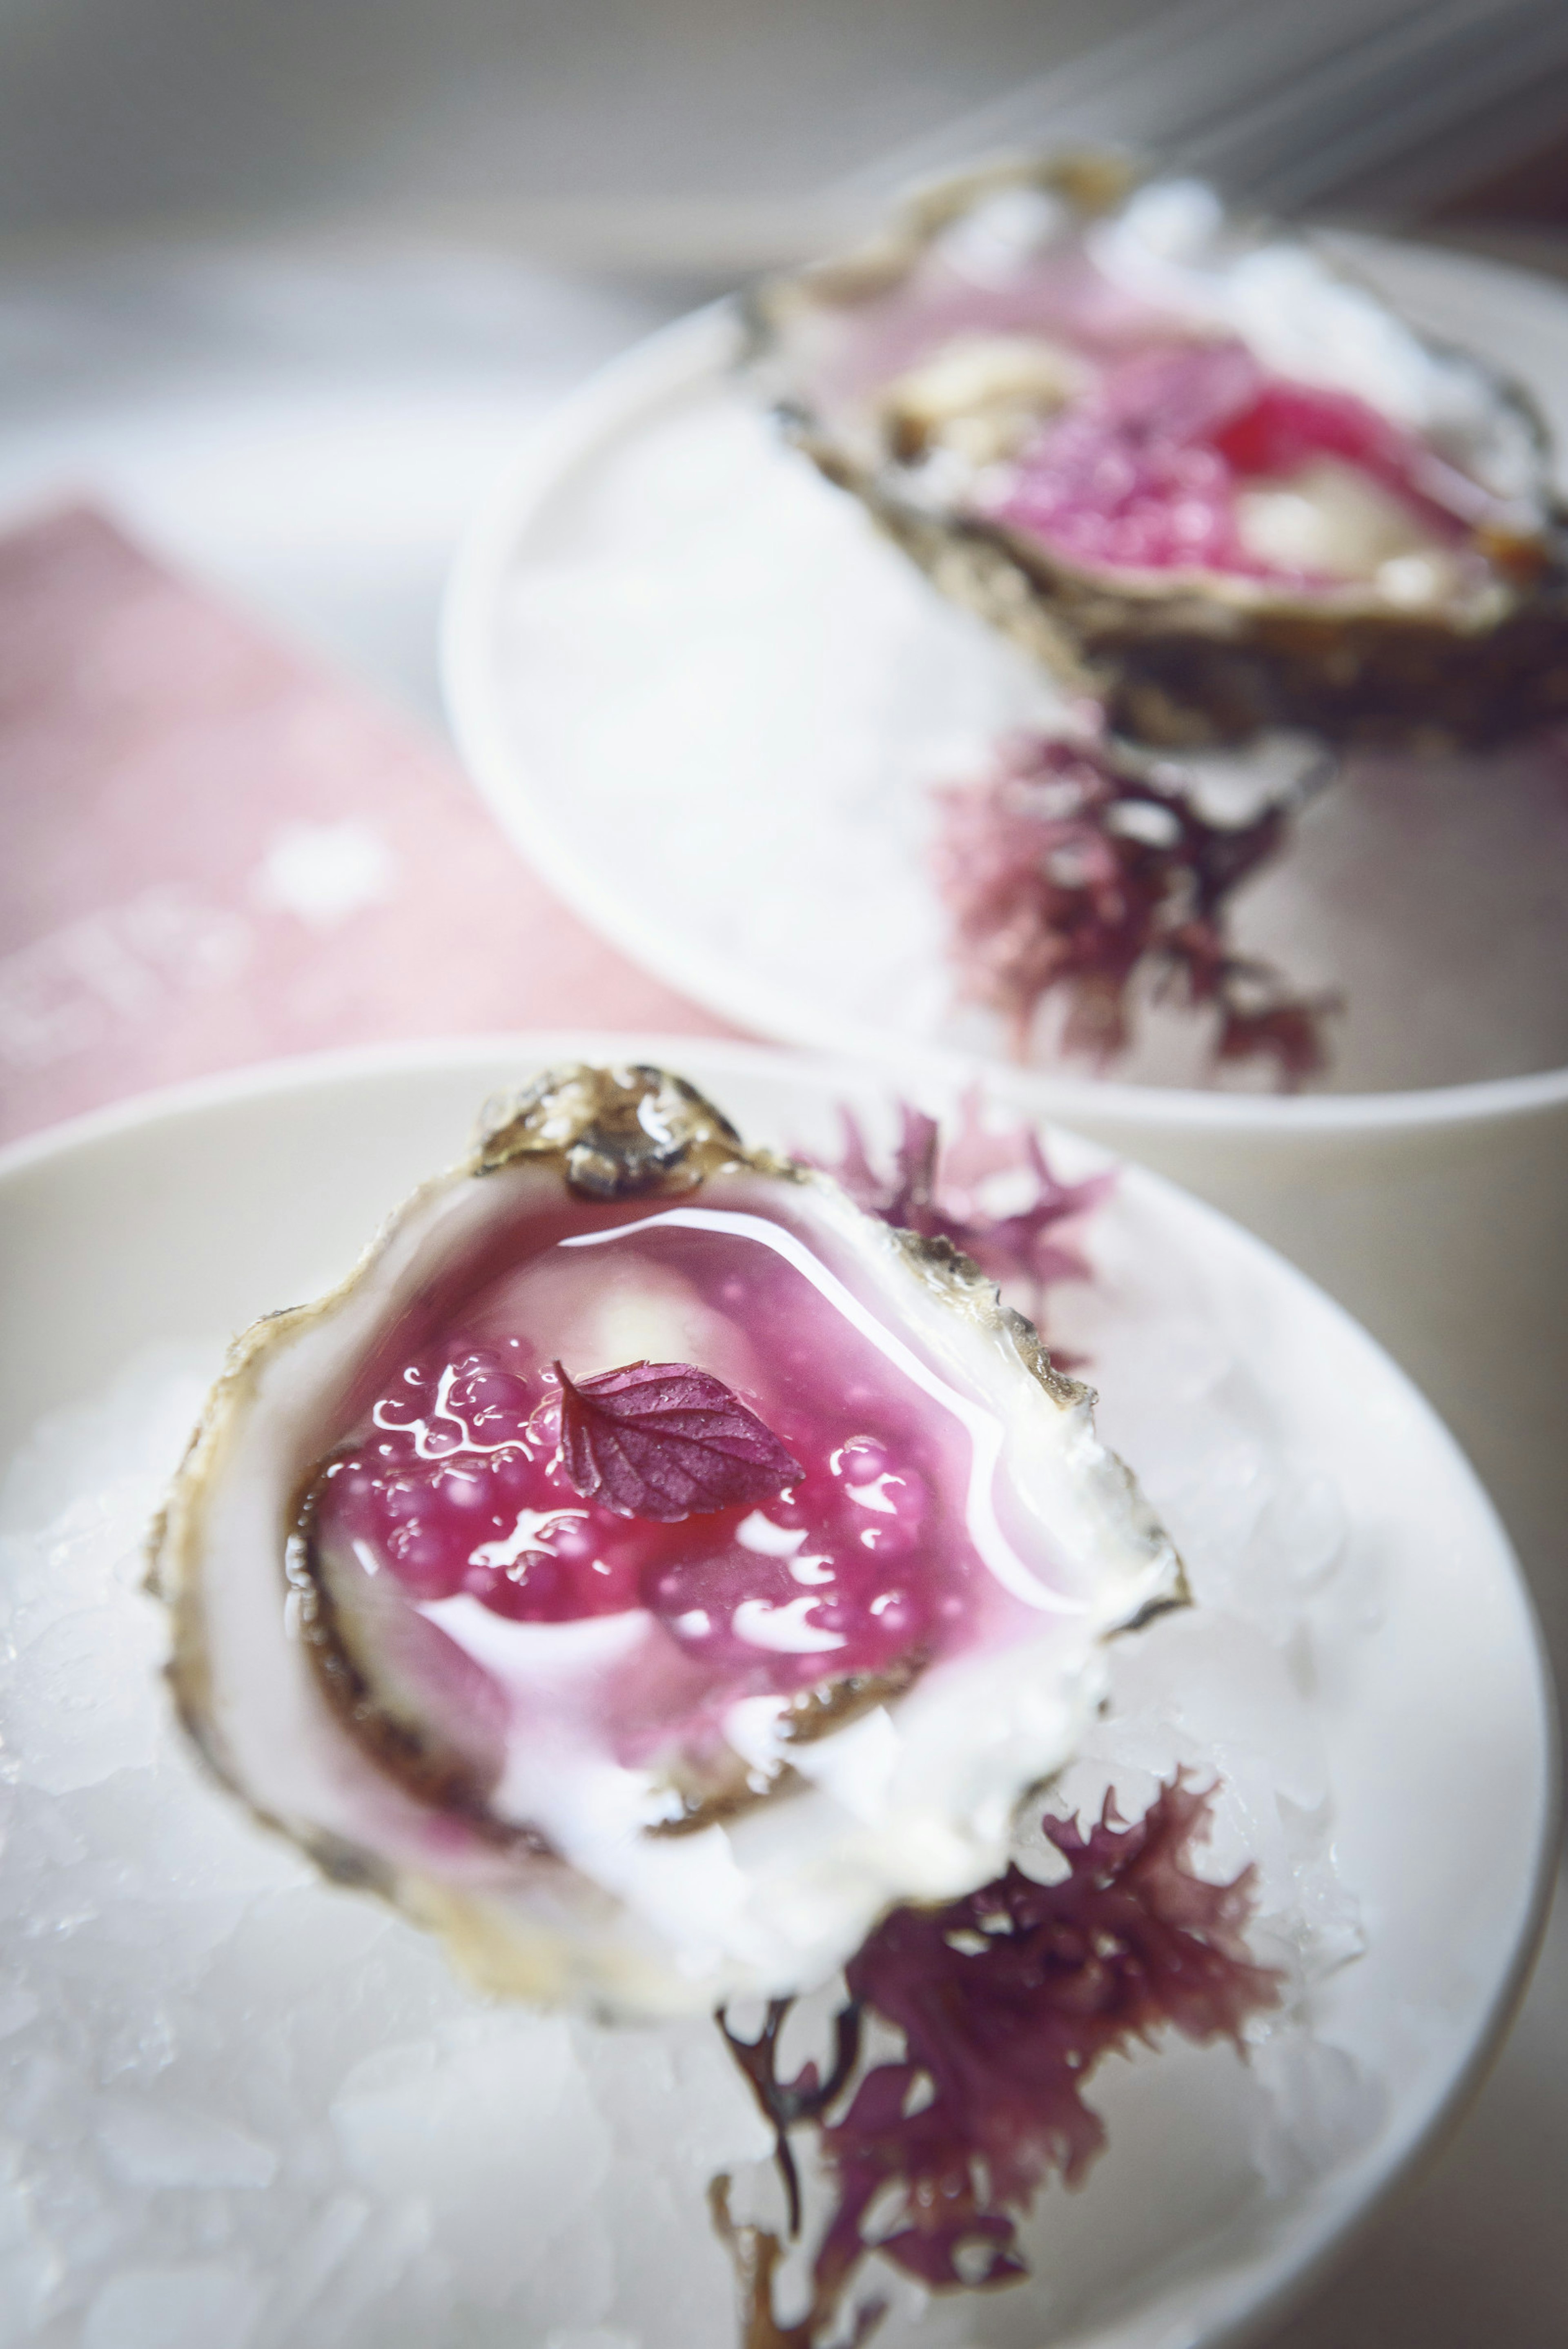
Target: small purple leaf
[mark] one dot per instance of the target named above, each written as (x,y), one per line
(667,1441)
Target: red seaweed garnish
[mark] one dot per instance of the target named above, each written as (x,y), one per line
(1007,2000)
(935,1188)
(1067,873)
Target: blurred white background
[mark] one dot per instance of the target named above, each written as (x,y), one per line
(592,125)
(141,108)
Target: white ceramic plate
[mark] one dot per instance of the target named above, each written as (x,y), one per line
(179,1218)
(706,700)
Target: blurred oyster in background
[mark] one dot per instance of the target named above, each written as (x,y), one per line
(1191,464)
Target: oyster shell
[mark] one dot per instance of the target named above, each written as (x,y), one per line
(636,1765)
(1198,470)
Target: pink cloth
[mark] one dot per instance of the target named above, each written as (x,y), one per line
(216,853)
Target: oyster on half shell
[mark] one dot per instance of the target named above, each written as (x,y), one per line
(638,1758)
(1191,463)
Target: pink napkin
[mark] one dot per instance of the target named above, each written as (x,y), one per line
(216,852)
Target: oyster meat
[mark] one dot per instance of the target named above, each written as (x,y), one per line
(1191,464)
(647,1567)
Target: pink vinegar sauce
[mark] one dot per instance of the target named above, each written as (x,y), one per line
(1143,472)
(452,1485)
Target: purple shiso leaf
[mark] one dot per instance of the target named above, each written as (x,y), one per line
(1066,873)
(666,1441)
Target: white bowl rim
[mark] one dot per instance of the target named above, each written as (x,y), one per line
(1281,2277)
(665,363)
